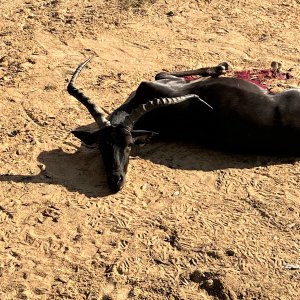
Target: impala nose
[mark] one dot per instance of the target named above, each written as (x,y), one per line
(116,182)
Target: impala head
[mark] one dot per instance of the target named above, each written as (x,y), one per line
(115,142)
(116,139)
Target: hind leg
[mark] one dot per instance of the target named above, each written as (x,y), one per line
(216,71)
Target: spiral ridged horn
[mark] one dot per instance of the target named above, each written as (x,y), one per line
(96,112)
(131,119)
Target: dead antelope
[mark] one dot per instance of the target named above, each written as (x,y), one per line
(220,111)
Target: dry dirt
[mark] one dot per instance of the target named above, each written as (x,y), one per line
(191,223)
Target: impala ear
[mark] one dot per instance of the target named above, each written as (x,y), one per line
(87,137)
(142,136)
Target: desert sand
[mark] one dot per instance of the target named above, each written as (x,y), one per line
(191,222)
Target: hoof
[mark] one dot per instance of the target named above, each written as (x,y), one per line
(226,66)
(276,66)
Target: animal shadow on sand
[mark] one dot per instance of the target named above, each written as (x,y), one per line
(192,156)
(83,170)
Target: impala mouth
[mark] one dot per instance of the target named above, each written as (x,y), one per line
(116,181)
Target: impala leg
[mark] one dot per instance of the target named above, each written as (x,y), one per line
(216,71)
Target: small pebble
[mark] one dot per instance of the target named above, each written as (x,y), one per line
(291,267)
(170,14)
(230,252)
(63,278)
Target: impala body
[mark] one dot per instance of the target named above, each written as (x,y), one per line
(225,112)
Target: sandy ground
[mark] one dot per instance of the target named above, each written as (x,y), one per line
(191,223)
